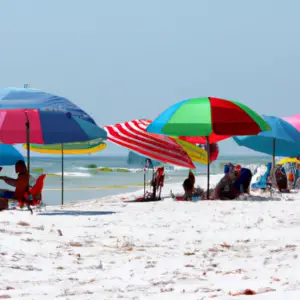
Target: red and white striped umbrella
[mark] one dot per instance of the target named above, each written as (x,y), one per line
(133,135)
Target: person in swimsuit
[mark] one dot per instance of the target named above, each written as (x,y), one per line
(21,184)
(242,181)
(188,186)
(224,190)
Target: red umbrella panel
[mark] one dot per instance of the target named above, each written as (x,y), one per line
(132,135)
(213,138)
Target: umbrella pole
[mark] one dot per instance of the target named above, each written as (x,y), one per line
(62,174)
(27,124)
(28,154)
(208,166)
(145,178)
(274,151)
(28,142)
(273,163)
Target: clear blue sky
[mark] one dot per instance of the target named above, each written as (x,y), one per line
(120,60)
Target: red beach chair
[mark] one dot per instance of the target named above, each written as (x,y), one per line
(34,195)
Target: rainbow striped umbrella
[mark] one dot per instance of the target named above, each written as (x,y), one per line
(206,117)
(210,118)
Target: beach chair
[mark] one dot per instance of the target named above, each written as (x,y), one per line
(261,180)
(34,195)
(157,183)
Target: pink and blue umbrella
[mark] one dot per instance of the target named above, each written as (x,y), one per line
(43,118)
(27,98)
(45,127)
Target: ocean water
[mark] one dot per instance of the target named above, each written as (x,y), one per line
(82,182)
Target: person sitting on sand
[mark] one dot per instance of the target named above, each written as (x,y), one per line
(297,177)
(242,181)
(297,184)
(230,169)
(21,184)
(224,189)
(188,186)
(281,179)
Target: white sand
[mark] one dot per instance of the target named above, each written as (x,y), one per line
(159,250)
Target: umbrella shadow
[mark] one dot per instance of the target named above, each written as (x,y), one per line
(267,197)
(145,201)
(76,213)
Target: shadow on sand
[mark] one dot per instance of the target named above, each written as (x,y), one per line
(75,213)
(145,201)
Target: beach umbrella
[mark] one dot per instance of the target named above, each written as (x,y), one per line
(294,120)
(282,140)
(88,147)
(213,151)
(9,155)
(133,136)
(45,127)
(29,98)
(287,160)
(198,153)
(212,118)
(134,158)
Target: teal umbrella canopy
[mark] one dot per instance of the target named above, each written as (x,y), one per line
(282,140)
(9,155)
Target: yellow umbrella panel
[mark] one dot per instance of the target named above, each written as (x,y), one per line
(289,160)
(69,148)
(196,153)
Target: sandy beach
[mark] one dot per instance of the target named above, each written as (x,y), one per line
(108,249)
(99,99)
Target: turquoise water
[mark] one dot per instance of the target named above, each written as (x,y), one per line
(83,183)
